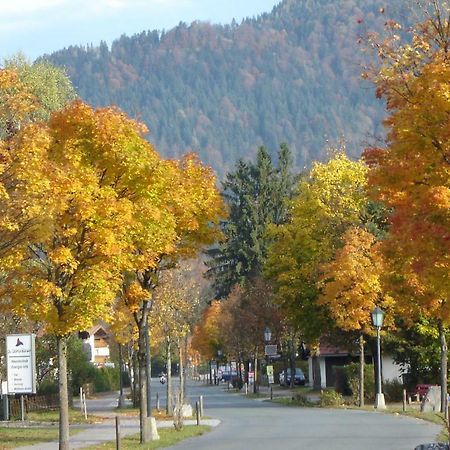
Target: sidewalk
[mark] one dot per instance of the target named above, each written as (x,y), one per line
(94,434)
(284,392)
(106,431)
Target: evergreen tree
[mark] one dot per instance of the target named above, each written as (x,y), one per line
(256,195)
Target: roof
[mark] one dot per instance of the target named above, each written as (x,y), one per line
(326,349)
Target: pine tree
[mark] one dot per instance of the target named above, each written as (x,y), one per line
(256,195)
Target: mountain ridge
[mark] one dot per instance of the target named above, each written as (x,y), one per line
(290,75)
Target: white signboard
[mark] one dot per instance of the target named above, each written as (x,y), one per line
(21,363)
(270,350)
(269,370)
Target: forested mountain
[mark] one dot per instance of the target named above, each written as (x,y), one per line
(291,75)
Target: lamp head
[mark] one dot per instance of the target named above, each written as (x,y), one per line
(377,317)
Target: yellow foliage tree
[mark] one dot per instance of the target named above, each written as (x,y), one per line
(351,287)
(329,201)
(84,181)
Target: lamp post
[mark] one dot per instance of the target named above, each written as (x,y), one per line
(377,320)
(219,359)
(267,335)
(267,339)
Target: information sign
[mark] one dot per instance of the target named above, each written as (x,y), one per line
(269,370)
(270,350)
(21,363)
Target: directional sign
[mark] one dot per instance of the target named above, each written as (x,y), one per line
(21,363)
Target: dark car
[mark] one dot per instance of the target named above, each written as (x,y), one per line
(299,377)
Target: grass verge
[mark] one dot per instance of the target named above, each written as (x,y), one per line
(75,417)
(168,437)
(12,437)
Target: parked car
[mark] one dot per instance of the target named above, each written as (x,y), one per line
(299,377)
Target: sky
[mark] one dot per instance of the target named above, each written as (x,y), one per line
(37,27)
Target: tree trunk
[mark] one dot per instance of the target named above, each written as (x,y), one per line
(135,384)
(292,362)
(210,372)
(169,378)
(255,373)
(361,371)
(182,387)
(143,420)
(63,393)
(148,369)
(186,368)
(444,363)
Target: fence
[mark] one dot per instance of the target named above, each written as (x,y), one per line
(34,403)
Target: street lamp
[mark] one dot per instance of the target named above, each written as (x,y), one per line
(377,320)
(267,334)
(219,359)
(267,339)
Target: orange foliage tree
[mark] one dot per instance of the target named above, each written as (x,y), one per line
(412,174)
(351,287)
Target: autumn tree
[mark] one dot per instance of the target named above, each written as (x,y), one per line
(179,217)
(245,314)
(84,177)
(176,304)
(351,287)
(28,94)
(411,175)
(330,200)
(206,336)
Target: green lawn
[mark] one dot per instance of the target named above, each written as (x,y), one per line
(75,417)
(20,436)
(168,437)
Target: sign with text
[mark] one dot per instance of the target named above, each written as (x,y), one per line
(270,350)
(269,370)
(21,363)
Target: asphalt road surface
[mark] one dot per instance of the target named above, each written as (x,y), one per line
(248,424)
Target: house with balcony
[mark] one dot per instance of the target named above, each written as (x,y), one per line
(96,345)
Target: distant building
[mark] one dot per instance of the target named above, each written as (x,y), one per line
(321,365)
(96,345)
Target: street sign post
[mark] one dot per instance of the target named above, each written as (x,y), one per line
(269,370)
(270,350)
(21,363)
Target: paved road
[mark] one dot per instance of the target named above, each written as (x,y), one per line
(254,424)
(251,424)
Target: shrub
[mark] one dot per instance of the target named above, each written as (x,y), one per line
(393,390)
(348,381)
(48,387)
(302,400)
(106,379)
(331,398)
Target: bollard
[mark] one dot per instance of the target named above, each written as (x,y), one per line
(271,393)
(22,408)
(81,399)
(85,406)
(117,433)
(197,413)
(157,401)
(5,402)
(201,405)
(246,388)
